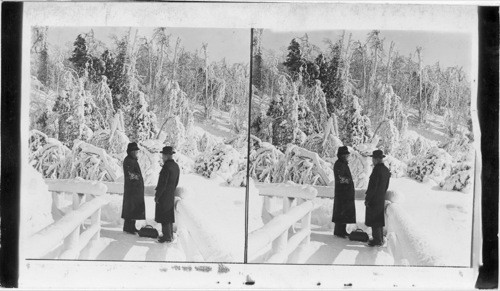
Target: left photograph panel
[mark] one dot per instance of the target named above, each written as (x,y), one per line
(137,144)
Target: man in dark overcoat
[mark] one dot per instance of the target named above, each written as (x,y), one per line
(375,198)
(164,197)
(344,210)
(133,190)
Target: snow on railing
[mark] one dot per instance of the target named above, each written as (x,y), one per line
(275,233)
(406,242)
(200,239)
(66,231)
(359,194)
(117,188)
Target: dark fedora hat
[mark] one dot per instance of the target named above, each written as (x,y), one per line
(377,154)
(168,150)
(343,150)
(132,147)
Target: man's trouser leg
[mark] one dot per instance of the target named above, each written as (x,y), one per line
(167,230)
(129,225)
(377,235)
(340,229)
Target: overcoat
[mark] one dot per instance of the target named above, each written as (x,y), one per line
(133,190)
(344,209)
(165,190)
(375,196)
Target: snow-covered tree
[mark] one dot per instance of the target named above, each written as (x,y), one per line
(140,123)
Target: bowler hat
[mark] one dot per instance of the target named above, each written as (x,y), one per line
(167,150)
(132,147)
(377,154)
(343,150)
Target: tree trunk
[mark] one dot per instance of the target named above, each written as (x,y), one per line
(420,100)
(388,73)
(177,43)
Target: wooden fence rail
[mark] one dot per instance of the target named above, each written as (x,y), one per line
(66,231)
(275,233)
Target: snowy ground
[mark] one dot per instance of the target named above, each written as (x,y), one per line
(219,126)
(330,250)
(208,198)
(444,217)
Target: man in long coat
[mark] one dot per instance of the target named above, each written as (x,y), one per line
(164,197)
(133,190)
(344,210)
(375,198)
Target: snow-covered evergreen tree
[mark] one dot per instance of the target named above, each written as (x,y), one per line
(355,127)
(141,123)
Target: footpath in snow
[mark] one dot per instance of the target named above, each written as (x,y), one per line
(207,198)
(443,219)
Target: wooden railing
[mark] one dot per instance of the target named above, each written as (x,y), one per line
(67,230)
(275,233)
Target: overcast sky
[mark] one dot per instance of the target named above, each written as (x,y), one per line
(232,44)
(450,49)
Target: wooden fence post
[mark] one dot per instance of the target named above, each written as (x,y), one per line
(95,219)
(71,245)
(78,198)
(306,224)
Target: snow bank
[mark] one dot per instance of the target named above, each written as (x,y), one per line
(219,238)
(255,207)
(36,201)
(442,218)
(407,244)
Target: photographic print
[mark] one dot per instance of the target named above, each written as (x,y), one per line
(137,144)
(361,148)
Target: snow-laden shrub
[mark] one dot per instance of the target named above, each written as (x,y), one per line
(300,169)
(262,160)
(149,160)
(461,178)
(324,146)
(412,145)
(360,166)
(223,160)
(186,164)
(240,178)
(47,155)
(435,165)
(116,145)
(421,145)
(36,210)
(175,133)
(389,136)
(91,163)
(398,168)
(403,151)
(461,148)
(207,142)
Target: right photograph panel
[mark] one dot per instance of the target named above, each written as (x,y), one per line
(361,148)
